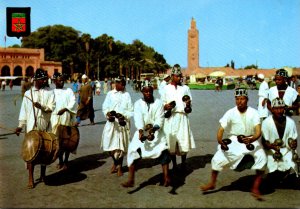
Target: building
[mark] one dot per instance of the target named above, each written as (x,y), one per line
(194,70)
(23,62)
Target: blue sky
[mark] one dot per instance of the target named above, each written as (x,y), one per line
(262,32)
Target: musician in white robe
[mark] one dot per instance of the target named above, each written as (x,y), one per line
(240,120)
(37,104)
(282,90)
(64,113)
(148,111)
(116,136)
(277,131)
(177,127)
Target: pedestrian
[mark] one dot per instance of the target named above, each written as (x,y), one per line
(11,84)
(279,137)
(282,90)
(177,125)
(149,141)
(98,87)
(85,108)
(3,85)
(164,82)
(242,149)
(75,87)
(35,113)
(118,109)
(262,95)
(63,114)
(105,86)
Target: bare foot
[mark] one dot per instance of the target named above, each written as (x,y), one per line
(65,167)
(59,166)
(113,169)
(30,186)
(167,182)
(120,172)
(207,187)
(128,184)
(256,194)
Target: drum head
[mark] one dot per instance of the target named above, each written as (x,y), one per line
(31,145)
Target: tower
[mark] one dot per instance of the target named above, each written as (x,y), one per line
(193,47)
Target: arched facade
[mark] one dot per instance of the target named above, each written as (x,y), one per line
(23,62)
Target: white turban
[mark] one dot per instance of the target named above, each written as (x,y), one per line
(84,76)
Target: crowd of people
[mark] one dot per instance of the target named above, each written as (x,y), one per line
(263,139)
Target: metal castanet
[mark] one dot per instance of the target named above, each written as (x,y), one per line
(248,146)
(69,137)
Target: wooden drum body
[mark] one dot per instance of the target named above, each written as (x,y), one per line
(40,147)
(68,137)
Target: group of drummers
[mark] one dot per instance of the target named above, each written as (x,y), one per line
(163,128)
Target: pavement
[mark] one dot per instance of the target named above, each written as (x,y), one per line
(89,184)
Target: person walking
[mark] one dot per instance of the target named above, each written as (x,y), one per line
(37,104)
(118,109)
(242,150)
(85,108)
(63,114)
(149,140)
(177,124)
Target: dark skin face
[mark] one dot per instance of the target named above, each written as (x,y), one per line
(39,83)
(148,94)
(176,79)
(241,103)
(59,83)
(280,82)
(120,86)
(278,113)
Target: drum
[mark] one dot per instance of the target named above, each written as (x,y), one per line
(40,147)
(69,137)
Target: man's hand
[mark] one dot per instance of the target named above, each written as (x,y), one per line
(62,111)
(37,105)
(18,131)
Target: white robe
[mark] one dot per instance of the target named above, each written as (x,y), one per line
(114,136)
(239,124)
(177,126)
(270,133)
(161,87)
(64,98)
(289,96)
(262,94)
(143,116)
(27,117)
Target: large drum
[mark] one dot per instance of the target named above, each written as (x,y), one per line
(40,147)
(69,137)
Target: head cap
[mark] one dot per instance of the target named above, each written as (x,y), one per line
(40,74)
(146,84)
(241,92)
(176,70)
(282,72)
(278,102)
(84,76)
(166,76)
(261,76)
(120,78)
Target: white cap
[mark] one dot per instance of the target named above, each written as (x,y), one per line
(84,76)
(261,76)
(166,75)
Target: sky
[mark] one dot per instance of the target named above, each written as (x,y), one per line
(261,32)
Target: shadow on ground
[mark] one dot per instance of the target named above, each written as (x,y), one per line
(177,177)
(75,169)
(270,183)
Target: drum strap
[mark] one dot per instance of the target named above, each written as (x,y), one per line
(33,108)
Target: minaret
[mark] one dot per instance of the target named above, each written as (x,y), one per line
(193,47)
